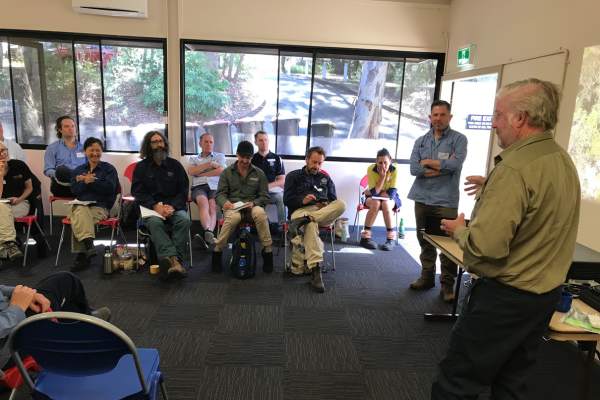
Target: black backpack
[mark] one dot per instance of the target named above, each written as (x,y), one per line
(243,257)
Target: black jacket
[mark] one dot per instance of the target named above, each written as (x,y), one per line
(299,183)
(167,183)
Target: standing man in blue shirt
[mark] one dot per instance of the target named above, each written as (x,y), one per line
(205,169)
(436,162)
(272,166)
(63,156)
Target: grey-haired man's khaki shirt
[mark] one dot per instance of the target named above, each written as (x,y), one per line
(524,224)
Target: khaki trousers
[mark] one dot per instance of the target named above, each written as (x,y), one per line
(83,224)
(309,246)
(8,213)
(233,218)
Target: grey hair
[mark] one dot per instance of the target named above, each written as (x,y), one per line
(538,99)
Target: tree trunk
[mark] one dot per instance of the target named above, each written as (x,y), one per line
(30,112)
(367,110)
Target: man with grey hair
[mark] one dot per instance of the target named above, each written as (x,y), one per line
(519,243)
(14,149)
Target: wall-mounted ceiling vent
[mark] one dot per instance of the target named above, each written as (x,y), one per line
(113,8)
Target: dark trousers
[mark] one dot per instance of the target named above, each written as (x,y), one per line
(60,190)
(428,251)
(178,226)
(494,342)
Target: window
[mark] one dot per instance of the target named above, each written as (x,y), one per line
(350,103)
(115,90)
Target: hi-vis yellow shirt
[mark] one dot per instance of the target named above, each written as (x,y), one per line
(390,180)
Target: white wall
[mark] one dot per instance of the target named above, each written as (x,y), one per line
(514,29)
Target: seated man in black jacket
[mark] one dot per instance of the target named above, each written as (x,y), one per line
(310,197)
(160,183)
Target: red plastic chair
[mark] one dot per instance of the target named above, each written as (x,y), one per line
(12,378)
(52,199)
(30,220)
(362,186)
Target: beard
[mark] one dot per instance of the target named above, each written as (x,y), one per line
(159,155)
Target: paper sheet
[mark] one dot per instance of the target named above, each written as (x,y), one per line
(146,212)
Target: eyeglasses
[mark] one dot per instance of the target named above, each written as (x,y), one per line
(157,141)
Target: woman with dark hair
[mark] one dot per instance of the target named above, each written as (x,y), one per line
(97,182)
(63,156)
(381,194)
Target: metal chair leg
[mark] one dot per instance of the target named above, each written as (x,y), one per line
(163,390)
(60,242)
(356,226)
(332,235)
(51,217)
(190,247)
(43,235)
(26,245)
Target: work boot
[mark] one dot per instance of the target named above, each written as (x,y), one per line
(368,243)
(81,262)
(164,265)
(267,261)
(176,270)
(103,313)
(12,251)
(388,245)
(316,280)
(90,250)
(217,265)
(295,225)
(422,284)
(447,292)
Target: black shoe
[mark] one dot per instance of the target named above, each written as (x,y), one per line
(217,265)
(81,262)
(388,245)
(90,250)
(368,243)
(295,225)
(267,261)
(164,264)
(12,251)
(316,280)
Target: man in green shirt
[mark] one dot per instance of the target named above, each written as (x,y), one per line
(240,183)
(520,245)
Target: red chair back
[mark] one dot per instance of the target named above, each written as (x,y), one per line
(364,182)
(129,171)
(12,377)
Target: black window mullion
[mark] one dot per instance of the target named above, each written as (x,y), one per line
(277,102)
(76,91)
(102,94)
(312,85)
(400,107)
(12,88)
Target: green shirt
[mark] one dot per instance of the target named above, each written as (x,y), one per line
(524,224)
(234,187)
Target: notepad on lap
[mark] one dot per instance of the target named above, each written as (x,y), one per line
(146,213)
(380,198)
(80,202)
(238,205)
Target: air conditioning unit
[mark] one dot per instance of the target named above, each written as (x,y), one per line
(113,8)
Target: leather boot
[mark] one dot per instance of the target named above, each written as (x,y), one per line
(316,280)
(447,292)
(177,270)
(267,262)
(423,283)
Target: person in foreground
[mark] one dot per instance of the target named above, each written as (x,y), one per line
(519,243)
(381,194)
(243,182)
(61,291)
(161,184)
(94,181)
(310,197)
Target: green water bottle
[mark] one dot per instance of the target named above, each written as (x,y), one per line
(401,229)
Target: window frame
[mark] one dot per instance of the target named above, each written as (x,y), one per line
(73,38)
(314,51)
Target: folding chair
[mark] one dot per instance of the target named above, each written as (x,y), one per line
(29,220)
(51,200)
(328,229)
(142,235)
(362,186)
(12,378)
(83,357)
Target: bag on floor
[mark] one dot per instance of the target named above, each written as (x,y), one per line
(243,257)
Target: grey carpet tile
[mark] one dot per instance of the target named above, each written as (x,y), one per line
(182,383)
(241,383)
(378,352)
(134,287)
(247,318)
(404,384)
(300,294)
(368,297)
(330,385)
(198,293)
(332,321)
(188,316)
(371,321)
(252,350)
(181,348)
(309,352)
(131,316)
(250,293)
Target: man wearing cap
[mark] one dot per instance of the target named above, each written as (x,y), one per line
(242,182)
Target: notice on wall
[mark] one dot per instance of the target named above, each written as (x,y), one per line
(479,121)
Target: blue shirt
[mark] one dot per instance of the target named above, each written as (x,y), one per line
(442,190)
(211,181)
(58,154)
(103,190)
(10,316)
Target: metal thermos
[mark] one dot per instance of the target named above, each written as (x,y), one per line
(107,260)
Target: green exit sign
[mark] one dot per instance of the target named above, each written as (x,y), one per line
(464,56)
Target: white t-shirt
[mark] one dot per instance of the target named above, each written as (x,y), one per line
(213,181)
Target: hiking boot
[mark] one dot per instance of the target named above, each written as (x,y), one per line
(176,270)
(90,250)
(103,313)
(422,284)
(295,225)
(12,251)
(217,265)
(209,237)
(388,245)
(267,261)
(316,280)
(81,262)
(368,243)
(447,293)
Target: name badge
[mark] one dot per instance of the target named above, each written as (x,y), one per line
(443,156)
(79,155)
(253,179)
